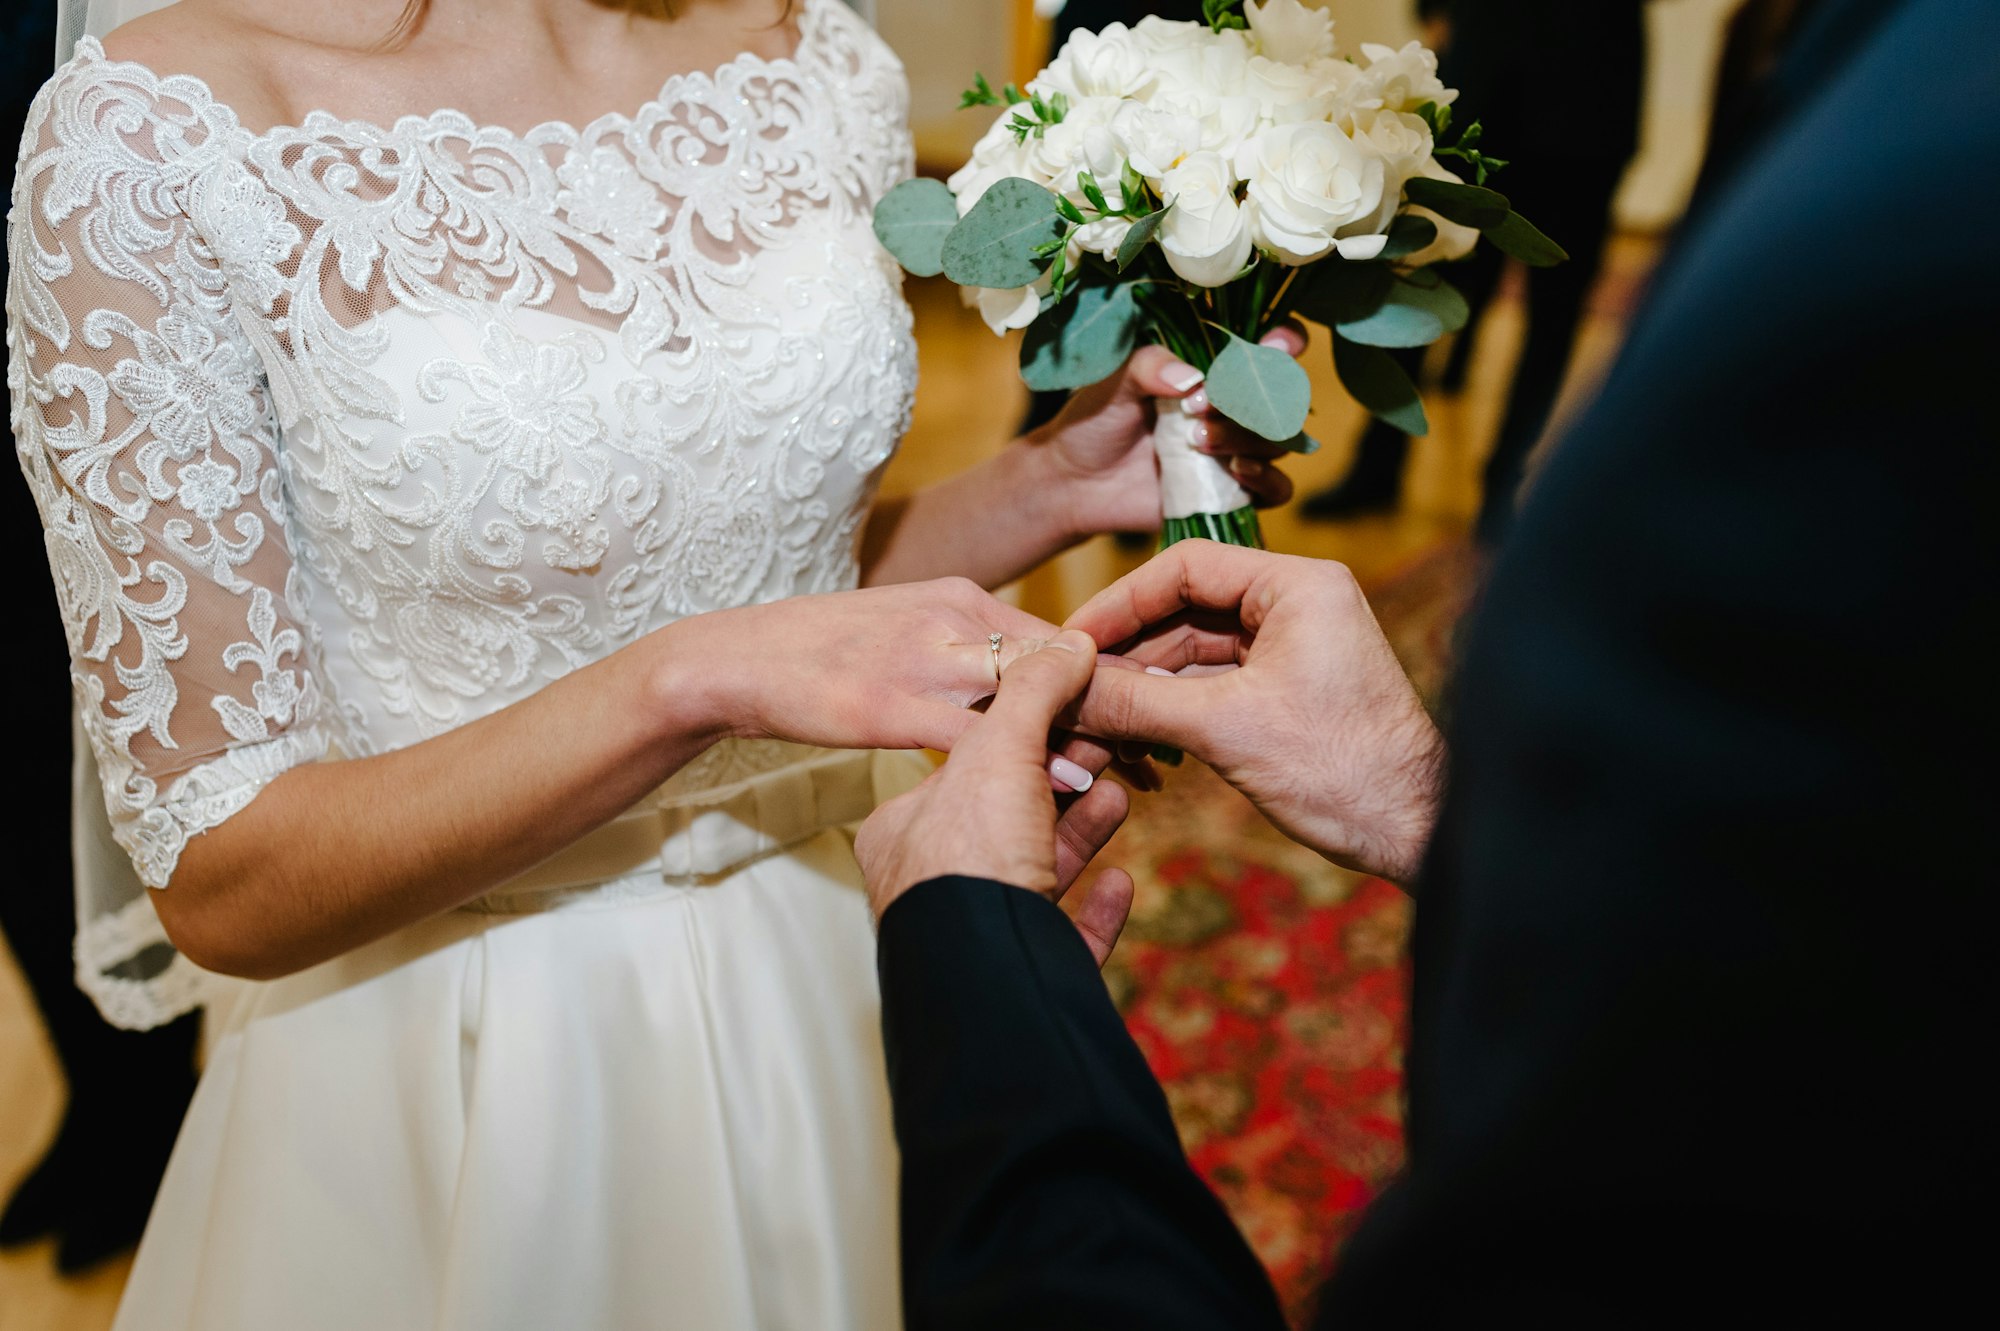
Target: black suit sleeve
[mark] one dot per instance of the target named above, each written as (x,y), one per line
(1043,1184)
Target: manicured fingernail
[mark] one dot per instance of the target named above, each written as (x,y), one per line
(1201,436)
(1246,468)
(1181,376)
(1067,772)
(1197,401)
(1155,670)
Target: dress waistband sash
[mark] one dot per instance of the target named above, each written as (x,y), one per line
(708,835)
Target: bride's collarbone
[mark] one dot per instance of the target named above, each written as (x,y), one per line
(275,66)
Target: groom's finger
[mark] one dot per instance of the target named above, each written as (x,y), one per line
(1090,821)
(1187,575)
(1136,705)
(1032,691)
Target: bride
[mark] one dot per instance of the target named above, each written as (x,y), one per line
(457,515)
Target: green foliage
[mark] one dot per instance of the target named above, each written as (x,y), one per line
(1407,235)
(1335,291)
(1515,235)
(1042,112)
(981,94)
(1222,15)
(1436,297)
(1139,236)
(999,243)
(1075,344)
(912,221)
(1414,312)
(1238,528)
(1466,148)
(1467,205)
(1377,382)
(1261,388)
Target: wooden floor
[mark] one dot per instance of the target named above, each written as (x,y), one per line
(967,406)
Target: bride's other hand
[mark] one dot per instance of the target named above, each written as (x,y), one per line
(880,668)
(1102,442)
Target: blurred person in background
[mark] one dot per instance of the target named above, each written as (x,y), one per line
(1563,171)
(127,1089)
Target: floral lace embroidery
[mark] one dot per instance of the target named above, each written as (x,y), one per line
(345,435)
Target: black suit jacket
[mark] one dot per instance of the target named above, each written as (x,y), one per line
(1701,1009)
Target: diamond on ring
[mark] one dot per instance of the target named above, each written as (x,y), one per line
(993,642)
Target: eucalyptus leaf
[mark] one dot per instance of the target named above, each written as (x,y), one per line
(1402,321)
(1078,342)
(1303,444)
(912,221)
(1379,384)
(994,244)
(1467,205)
(1407,235)
(1518,237)
(1261,388)
(1139,236)
(1438,298)
(1335,291)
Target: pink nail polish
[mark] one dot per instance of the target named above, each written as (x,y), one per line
(1181,377)
(1155,670)
(1067,772)
(1197,401)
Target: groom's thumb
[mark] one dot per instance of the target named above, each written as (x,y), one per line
(1035,687)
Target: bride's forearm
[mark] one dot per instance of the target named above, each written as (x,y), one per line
(334,855)
(990,523)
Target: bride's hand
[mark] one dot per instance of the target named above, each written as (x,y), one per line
(881,668)
(1102,442)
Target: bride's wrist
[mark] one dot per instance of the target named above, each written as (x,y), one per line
(693,691)
(1057,497)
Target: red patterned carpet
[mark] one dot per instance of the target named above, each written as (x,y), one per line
(1268,988)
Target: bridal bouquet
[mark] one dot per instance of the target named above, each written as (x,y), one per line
(1196,184)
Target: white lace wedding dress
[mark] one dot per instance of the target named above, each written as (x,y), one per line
(347,434)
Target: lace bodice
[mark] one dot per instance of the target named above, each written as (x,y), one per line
(345,435)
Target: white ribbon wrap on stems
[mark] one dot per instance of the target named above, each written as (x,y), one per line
(1190,482)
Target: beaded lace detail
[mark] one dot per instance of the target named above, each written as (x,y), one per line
(346,435)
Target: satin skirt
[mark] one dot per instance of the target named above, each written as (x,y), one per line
(660,1109)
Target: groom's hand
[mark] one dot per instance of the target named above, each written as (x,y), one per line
(989,812)
(1284,685)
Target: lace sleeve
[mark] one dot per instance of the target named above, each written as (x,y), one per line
(144,428)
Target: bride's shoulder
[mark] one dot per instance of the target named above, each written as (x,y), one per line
(245,54)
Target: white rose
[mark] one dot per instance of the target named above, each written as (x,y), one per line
(994,158)
(1214,64)
(1155,139)
(1108,63)
(1402,143)
(1082,141)
(1453,241)
(1289,31)
(1154,33)
(1101,236)
(1003,309)
(1403,80)
(1307,182)
(1225,121)
(1288,93)
(1206,235)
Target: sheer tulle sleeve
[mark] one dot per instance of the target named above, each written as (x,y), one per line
(142,422)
